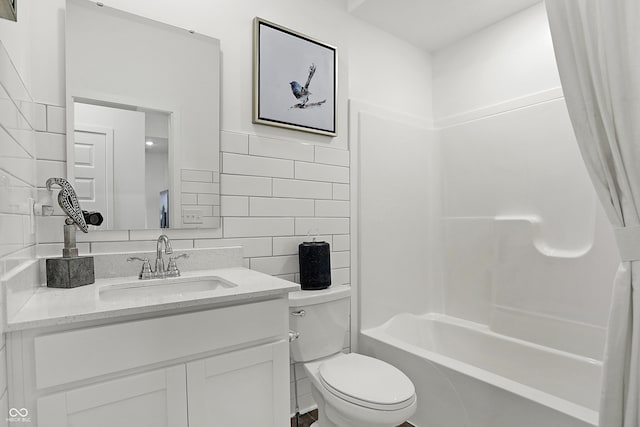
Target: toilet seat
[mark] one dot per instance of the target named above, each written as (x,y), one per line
(367,382)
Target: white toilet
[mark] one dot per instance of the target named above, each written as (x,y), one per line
(351,390)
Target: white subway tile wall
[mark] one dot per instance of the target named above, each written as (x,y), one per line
(19,117)
(232,142)
(341,191)
(314,203)
(241,185)
(200,192)
(56,119)
(268,147)
(274,194)
(262,206)
(241,164)
(332,208)
(302,189)
(320,172)
(235,205)
(254,227)
(40,117)
(332,157)
(289,245)
(51,146)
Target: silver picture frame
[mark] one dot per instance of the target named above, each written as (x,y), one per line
(294,80)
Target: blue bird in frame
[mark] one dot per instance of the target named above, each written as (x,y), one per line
(302,92)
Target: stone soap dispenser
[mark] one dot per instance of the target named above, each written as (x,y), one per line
(315,265)
(71,270)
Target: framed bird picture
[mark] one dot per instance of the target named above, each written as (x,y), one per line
(294,80)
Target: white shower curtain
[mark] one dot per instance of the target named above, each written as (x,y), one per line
(597,46)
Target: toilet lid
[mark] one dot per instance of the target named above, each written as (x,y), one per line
(367,382)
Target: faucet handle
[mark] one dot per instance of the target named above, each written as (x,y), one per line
(172,268)
(145,272)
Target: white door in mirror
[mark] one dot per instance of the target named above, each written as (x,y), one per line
(93,169)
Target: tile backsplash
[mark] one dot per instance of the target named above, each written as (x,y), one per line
(200,194)
(19,118)
(273,195)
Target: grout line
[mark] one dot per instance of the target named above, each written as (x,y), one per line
(26,184)
(267,157)
(290,178)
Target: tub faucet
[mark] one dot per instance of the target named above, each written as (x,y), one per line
(160,271)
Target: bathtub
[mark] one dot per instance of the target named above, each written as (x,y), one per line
(467,376)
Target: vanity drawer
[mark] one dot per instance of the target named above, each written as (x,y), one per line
(79,354)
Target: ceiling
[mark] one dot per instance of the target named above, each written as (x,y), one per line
(433,24)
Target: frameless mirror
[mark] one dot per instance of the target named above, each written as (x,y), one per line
(143,107)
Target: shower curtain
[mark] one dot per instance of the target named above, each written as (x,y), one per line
(597,46)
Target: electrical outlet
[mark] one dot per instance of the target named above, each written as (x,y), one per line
(192,216)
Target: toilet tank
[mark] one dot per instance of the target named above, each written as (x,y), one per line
(322,320)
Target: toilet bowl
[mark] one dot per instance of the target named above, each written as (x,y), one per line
(354,390)
(351,390)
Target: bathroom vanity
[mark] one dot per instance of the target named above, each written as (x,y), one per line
(211,351)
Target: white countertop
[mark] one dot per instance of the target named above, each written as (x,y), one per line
(50,306)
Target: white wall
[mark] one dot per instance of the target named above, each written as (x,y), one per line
(528,249)
(16,40)
(388,73)
(505,61)
(371,62)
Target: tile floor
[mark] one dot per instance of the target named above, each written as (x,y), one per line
(307,419)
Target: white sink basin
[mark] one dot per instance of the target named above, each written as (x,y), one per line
(156,288)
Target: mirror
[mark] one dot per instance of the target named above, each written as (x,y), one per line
(143,104)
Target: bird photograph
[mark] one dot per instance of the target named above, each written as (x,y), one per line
(302,92)
(295,80)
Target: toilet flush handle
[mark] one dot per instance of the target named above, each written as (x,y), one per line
(293,335)
(300,313)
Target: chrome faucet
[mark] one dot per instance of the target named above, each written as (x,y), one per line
(160,271)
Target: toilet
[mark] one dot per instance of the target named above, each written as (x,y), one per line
(351,390)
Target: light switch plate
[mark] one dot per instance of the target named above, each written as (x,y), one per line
(192,216)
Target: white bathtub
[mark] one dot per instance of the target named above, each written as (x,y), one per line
(467,376)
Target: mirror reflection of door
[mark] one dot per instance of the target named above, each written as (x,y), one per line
(121,154)
(93,168)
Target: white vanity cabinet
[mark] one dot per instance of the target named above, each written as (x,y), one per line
(225,366)
(243,388)
(151,399)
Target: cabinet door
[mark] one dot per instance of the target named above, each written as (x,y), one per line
(152,399)
(241,388)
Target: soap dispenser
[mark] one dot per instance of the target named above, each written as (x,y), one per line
(71,270)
